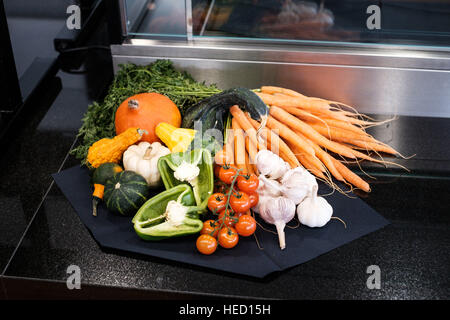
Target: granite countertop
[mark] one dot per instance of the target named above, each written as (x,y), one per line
(41,235)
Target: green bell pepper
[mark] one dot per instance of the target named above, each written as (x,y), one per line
(151,222)
(202,185)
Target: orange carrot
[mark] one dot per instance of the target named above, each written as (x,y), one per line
(248,165)
(350,176)
(239,146)
(283,97)
(288,92)
(301,102)
(324,157)
(285,132)
(338,134)
(372,146)
(274,143)
(312,160)
(221,157)
(308,131)
(252,151)
(250,131)
(305,161)
(309,117)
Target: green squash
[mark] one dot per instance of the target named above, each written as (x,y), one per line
(105,172)
(126,192)
(102,174)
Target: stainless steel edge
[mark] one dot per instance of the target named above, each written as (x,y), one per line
(400,82)
(393,58)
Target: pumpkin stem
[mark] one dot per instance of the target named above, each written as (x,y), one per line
(133,104)
(147,153)
(94,207)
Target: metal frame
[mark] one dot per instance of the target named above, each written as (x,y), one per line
(201,40)
(381,57)
(9,82)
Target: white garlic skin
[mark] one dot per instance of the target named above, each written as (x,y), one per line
(277,211)
(314,212)
(268,187)
(297,184)
(271,165)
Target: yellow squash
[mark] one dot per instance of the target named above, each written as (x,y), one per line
(176,139)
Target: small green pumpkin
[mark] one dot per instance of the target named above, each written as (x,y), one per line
(126,192)
(104,172)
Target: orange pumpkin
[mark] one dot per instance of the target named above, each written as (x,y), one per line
(146,111)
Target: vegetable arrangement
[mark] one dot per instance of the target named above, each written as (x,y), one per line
(313,127)
(160,77)
(218,157)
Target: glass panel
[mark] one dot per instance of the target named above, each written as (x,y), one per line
(410,22)
(156,18)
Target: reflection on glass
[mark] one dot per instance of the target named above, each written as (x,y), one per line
(401,21)
(156,17)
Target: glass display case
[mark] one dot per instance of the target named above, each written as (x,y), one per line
(401,22)
(385,57)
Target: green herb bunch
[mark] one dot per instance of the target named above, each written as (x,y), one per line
(160,77)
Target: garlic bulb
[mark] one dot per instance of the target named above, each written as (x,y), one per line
(277,211)
(267,188)
(314,211)
(297,184)
(271,165)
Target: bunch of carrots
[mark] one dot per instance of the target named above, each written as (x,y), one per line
(318,134)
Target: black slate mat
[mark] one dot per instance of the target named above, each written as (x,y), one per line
(302,244)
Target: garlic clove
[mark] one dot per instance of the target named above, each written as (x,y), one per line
(295,194)
(314,212)
(271,165)
(298,183)
(268,187)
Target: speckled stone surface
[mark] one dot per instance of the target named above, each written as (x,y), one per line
(38,149)
(412,252)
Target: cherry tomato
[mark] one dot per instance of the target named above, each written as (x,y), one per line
(220,187)
(217,202)
(228,238)
(254,199)
(227,174)
(229,220)
(240,202)
(246,225)
(206,244)
(211,228)
(248,183)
